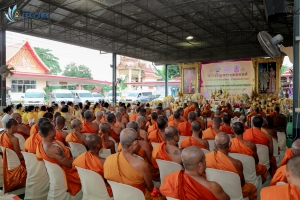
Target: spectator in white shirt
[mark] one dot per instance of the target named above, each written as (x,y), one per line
(8,111)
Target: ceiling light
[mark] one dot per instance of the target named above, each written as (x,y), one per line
(189,37)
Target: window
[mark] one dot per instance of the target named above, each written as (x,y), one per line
(20,86)
(283,79)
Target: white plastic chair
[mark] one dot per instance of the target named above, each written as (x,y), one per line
(205,151)
(281,183)
(281,140)
(229,181)
(76,149)
(167,167)
(278,156)
(37,180)
(168,113)
(104,153)
(1,170)
(21,140)
(154,144)
(89,179)
(125,192)
(58,186)
(171,198)
(181,138)
(116,147)
(263,155)
(211,145)
(112,139)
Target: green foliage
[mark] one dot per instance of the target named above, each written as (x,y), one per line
(88,87)
(283,69)
(49,59)
(105,89)
(79,71)
(173,72)
(122,86)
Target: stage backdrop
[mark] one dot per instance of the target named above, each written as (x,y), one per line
(235,76)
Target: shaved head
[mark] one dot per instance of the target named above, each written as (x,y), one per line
(161,122)
(141,119)
(243,118)
(192,116)
(177,115)
(110,117)
(154,115)
(296,148)
(122,109)
(222,140)
(127,137)
(196,126)
(92,140)
(217,122)
(17,117)
(99,114)
(218,113)
(88,115)
(133,125)
(292,167)
(104,127)
(170,132)
(60,120)
(191,157)
(75,123)
(43,119)
(118,114)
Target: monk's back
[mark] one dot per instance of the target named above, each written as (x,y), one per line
(174,153)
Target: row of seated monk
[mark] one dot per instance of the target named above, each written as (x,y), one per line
(42,142)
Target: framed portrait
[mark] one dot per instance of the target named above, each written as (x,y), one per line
(189,78)
(267,76)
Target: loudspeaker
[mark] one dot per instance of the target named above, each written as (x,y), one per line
(275,9)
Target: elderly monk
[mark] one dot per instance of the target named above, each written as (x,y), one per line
(222,161)
(254,113)
(91,160)
(256,136)
(159,134)
(210,133)
(125,117)
(153,123)
(76,135)
(185,128)
(134,115)
(118,121)
(176,119)
(23,129)
(124,167)
(52,151)
(239,145)
(216,114)
(88,125)
(15,178)
(280,175)
(195,139)
(226,125)
(99,117)
(168,150)
(243,120)
(115,131)
(105,132)
(142,121)
(60,133)
(189,183)
(288,191)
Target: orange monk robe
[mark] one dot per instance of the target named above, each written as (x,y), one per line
(226,129)
(181,186)
(15,178)
(155,136)
(32,142)
(201,122)
(34,129)
(280,176)
(118,169)
(133,117)
(246,127)
(23,134)
(185,129)
(126,116)
(103,119)
(89,161)
(250,115)
(209,134)
(209,123)
(218,160)
(159,152)
(190,141)
(72,137)
(187,110)
(59,137)
(153,127)
(238,146)
(87,128)
(286,192)
(171,118)
(114,135)
(173,123)
(71,175)
(288,155)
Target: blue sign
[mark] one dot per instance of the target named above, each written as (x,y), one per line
(14,13)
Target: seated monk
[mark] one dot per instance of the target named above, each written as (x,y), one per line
(52,151)
(54,118)
(239,145)
(142,121)
(168,150)
(105,132)
(219,108)
(195,139)
(210,133)
(280,175)
(91,160)
(176,119)
(115,131)
(269,131)
(15,178)
(288,191)
(134,115)
(185,128)
(222,161)
(124,167)
(288,155)
(153,123)
(189,183)
(206,109)
(216,114)
(243,120)
(261,112)
(142,112)
(255,135)
(118,121)
(182,118)
(125,117)
(190,108)
(23,129)
(99,117)
(88,125)
(158,135)
(226,125)
(60,133)
(76,135)
(198,117)
(254,113)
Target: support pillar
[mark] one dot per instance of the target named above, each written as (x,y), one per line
(166,81)
(3,62)
(114,79)
(296,72)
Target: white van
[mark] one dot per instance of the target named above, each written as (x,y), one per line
(59,95)
(137,94)
(82,96)
(34,97)
(110,97)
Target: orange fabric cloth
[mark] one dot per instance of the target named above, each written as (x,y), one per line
(218,160)
(181,186)
(190,141)
(173,123)
(59,137)
(87,128)
(209,134)
(159,152)
(256,136)
(24,135)
(288,155)
(209,123)
(201,122)
(171,118)
(246,127)
(71,175)
(115,136)
(5,141)
(133,117)
(286,192)
(226,129)
(280,176)
(34,129)
(32,142)
(185,129)
(153,127)
(155,136)
(90,161)
(72,137)
(187,110)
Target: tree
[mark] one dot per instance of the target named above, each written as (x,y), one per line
(79,71)
(105,89)
(173,72)
(49,59)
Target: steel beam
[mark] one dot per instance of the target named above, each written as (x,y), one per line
(114,79)
(3,62)
(166,81)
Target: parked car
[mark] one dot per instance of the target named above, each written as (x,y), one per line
(82,96)
(143,99)
(59,95)
(34,97)
(98,97)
